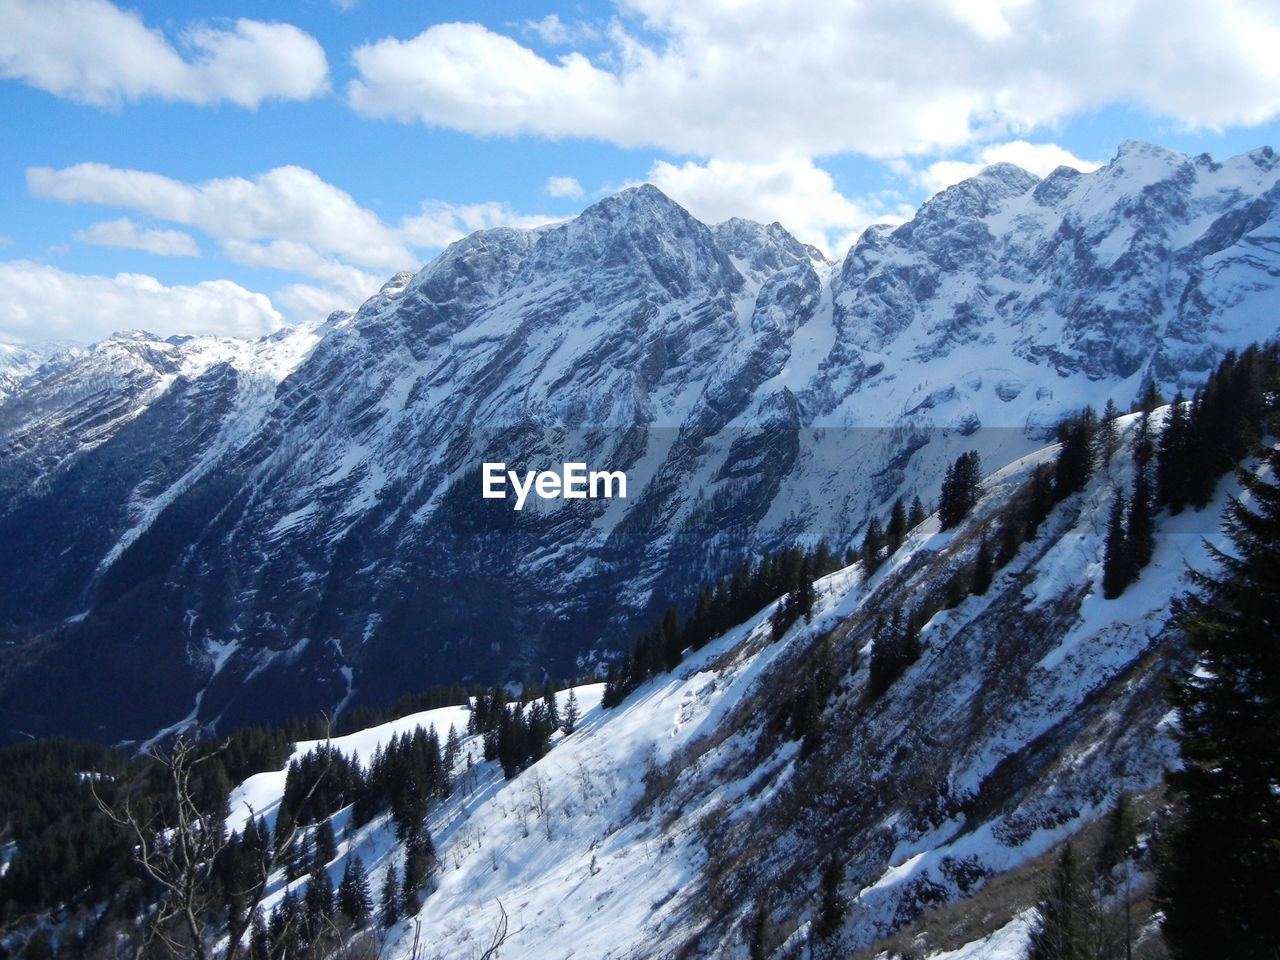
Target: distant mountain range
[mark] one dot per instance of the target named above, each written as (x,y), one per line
(203,531)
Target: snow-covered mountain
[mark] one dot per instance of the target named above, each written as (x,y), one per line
(665,827)
(209,531)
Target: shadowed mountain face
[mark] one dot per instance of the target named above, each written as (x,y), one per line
(204,531)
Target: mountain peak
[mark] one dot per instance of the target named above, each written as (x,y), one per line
(643,202)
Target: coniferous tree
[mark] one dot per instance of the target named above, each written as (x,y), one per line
(355,899)
(259,938)
(984,569)
(325,846)
(419,863)
(1115,564)
(872,543)
(549,690)
(896,529)
(757,937)
(1075,458)
(1010,539)
(571,714)
(1107,439)
(897,646)
(1061,928)
(1219,876)
(832,907)
(1151,398)
(1118,839)
(1039,500)
(1140,539)
(960,489)
(285,929)
(389,910)
(1173,459)
(318,900)
(916,516)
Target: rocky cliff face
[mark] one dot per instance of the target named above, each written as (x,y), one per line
(214,531)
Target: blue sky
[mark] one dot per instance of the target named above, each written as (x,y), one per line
(224,167)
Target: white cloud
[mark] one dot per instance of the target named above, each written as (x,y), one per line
(1039,158)
(44,303)
(286,219)
(93,52)
(796,193)
(311,302)
(552,30)
(440,224)
(348,284)
(125,233)
(563,187)
(286,203)
(771,81)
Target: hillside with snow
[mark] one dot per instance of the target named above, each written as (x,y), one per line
(661,827)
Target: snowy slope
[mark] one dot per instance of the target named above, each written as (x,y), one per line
(303,514)
(671,817)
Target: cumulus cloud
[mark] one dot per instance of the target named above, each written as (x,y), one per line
(1039,158)
(93,52)
(796,193)
(125,233)
(346,283)
(44,303)
(439,224)
(312,302)
(286,203)
(771,81)
(287,219)
(563,187)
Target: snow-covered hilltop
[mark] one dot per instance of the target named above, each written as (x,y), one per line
(295,524)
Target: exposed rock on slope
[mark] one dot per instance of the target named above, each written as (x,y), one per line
(219,532)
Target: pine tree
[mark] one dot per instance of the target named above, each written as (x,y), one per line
(916,516)
(1115,565)
(571,713)
(325,845)
(1141,539)
(1173,459)
(1107,439)
(1039,500)
(1219,878)
(896,647)
(390,906)
(897,526)
(1075,459)
(318,899)
(960,489)
(355,899)
(984,569)
(1061,928)
(832,907)
(872,543)
(259,939)
(757,936)
(549,704)
(419,863)
(1118,839)
(1151,398)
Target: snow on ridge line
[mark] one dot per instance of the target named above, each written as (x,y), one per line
(261,792)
